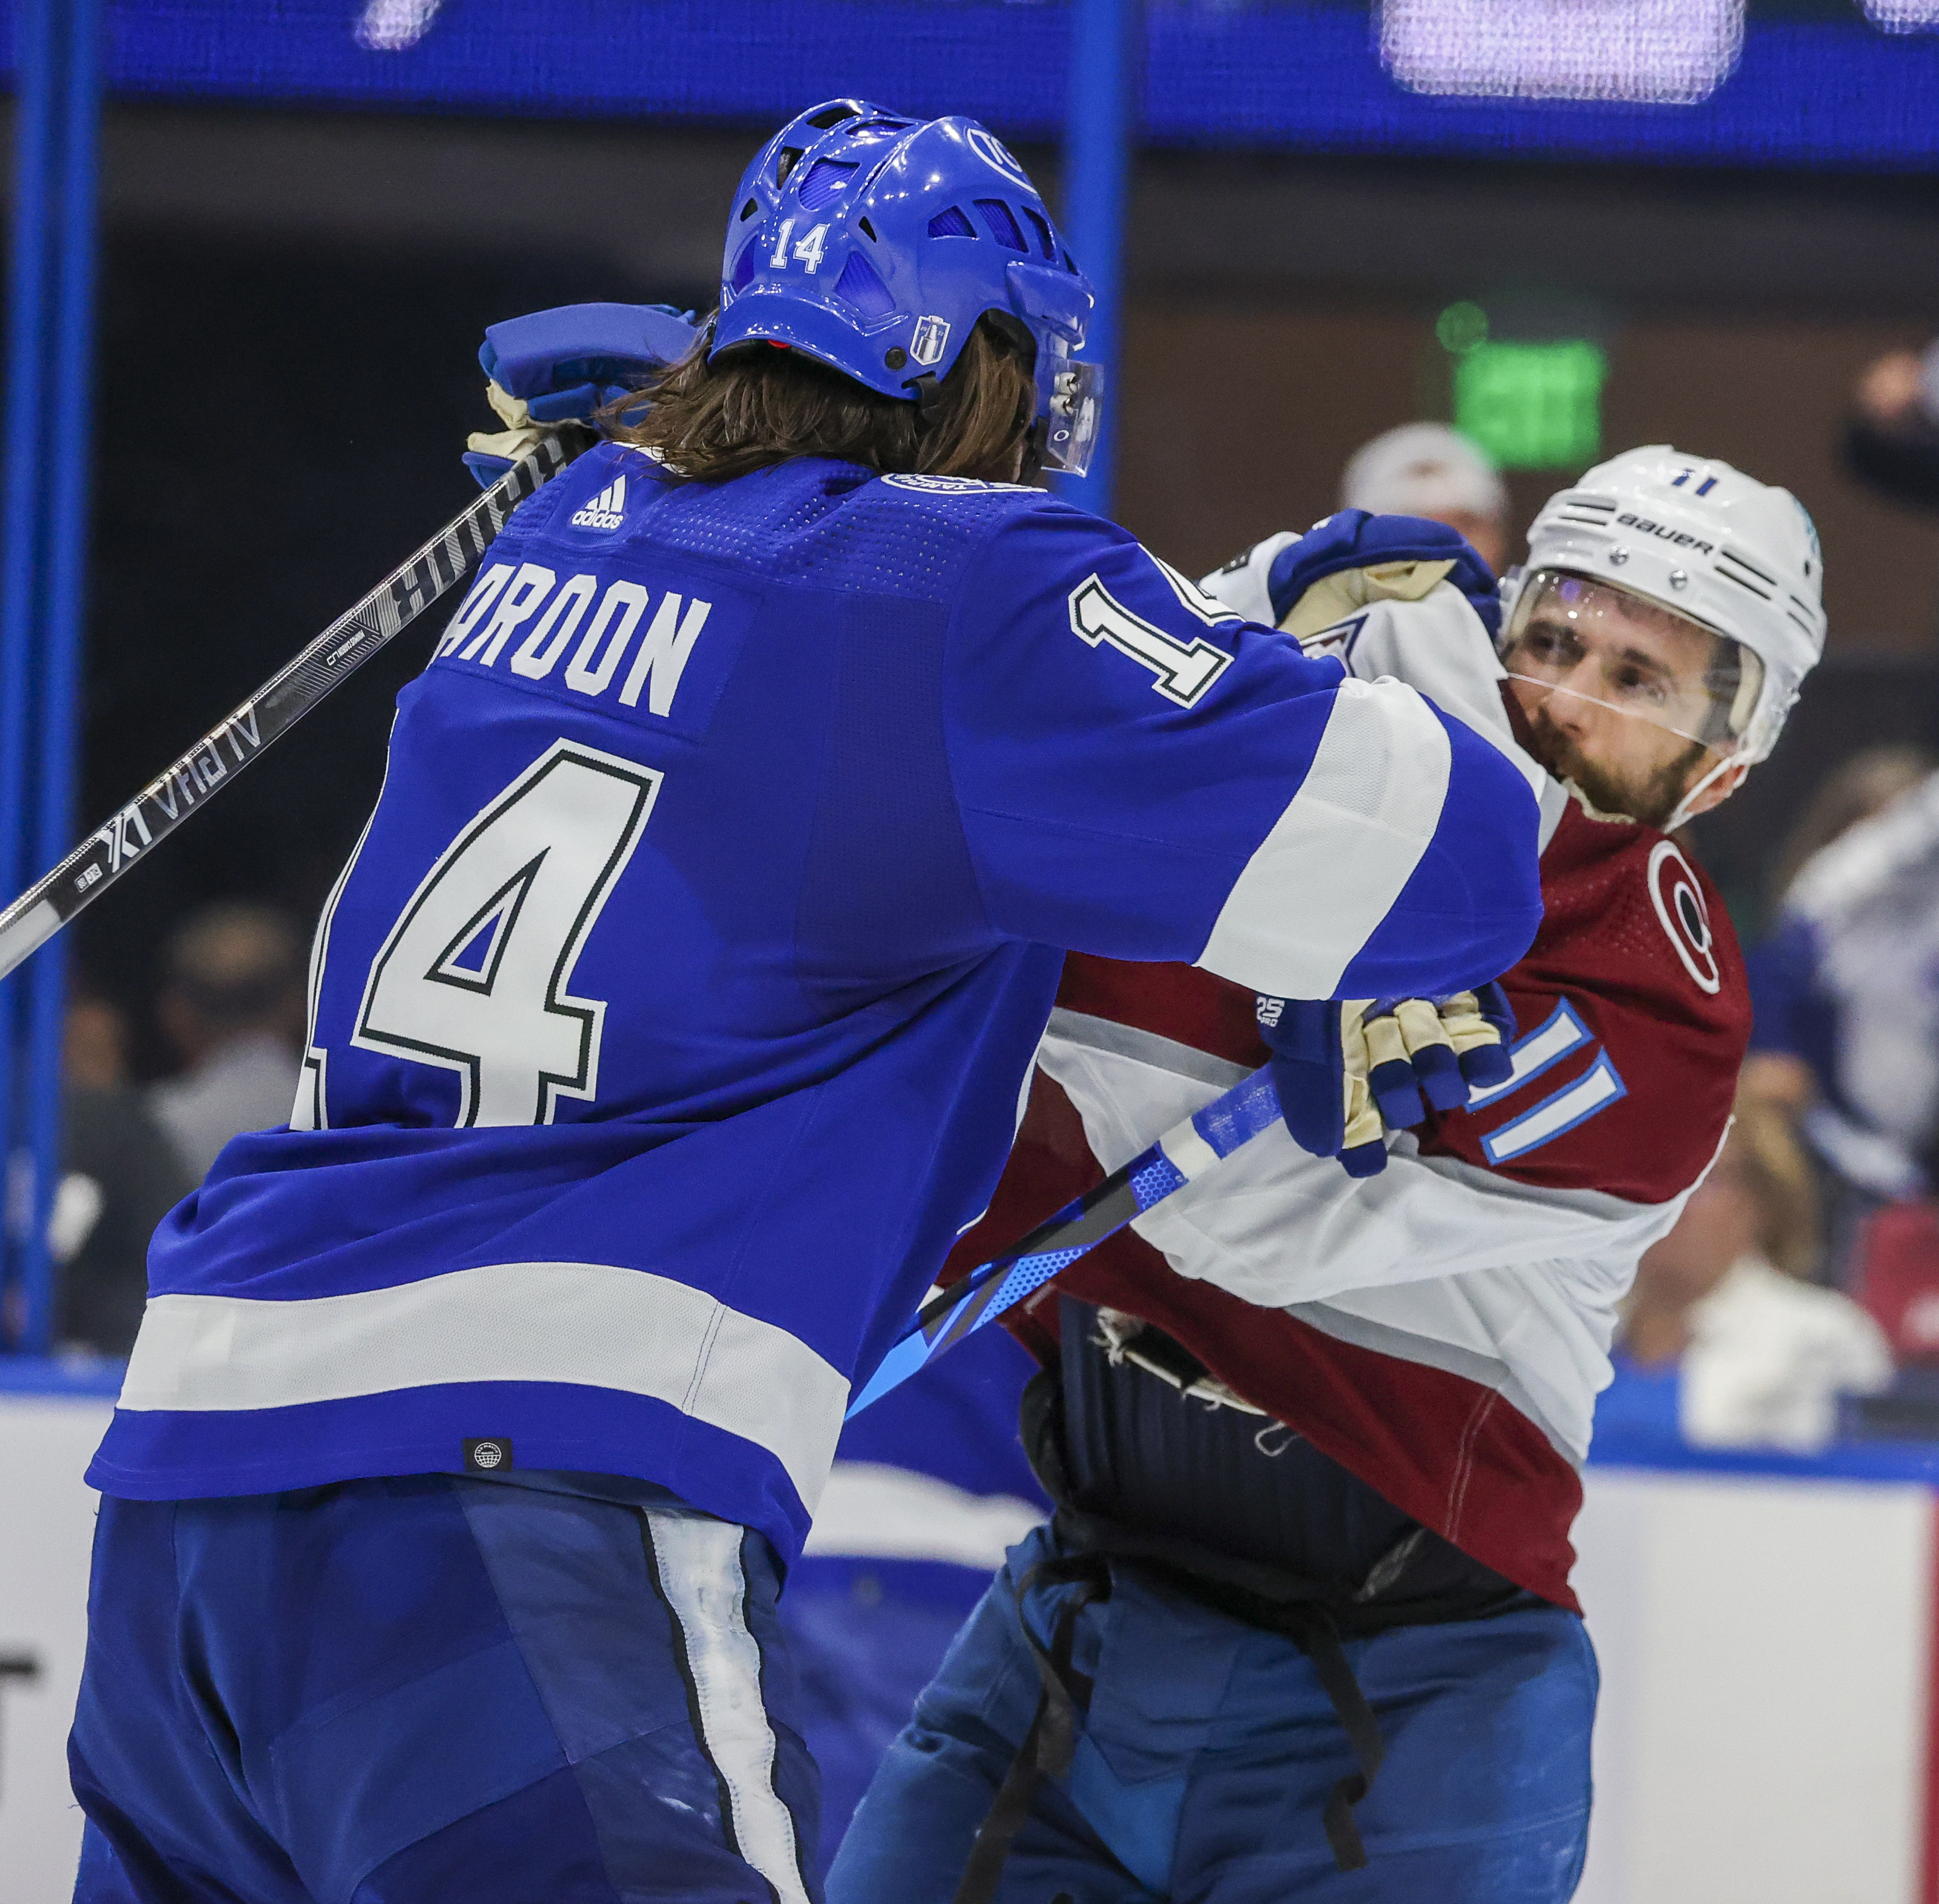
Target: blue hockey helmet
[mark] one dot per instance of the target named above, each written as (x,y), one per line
(873,242)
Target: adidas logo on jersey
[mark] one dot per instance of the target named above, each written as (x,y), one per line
(606,510)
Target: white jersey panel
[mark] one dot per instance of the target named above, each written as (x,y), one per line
(1433,1260)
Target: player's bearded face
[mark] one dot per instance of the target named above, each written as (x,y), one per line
(1624,697)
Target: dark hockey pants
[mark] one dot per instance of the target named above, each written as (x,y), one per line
(430,1689)
(1209,1750)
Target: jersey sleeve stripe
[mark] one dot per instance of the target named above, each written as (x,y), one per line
(1150,1047)
(1559,1033)
(1597,1088)
(592,1324)
(1365,813)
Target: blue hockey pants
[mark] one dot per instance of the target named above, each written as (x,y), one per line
(437,1690)
(1208,1749)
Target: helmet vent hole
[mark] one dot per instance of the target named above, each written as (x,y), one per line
(1046,243)
(822,183)
(953,223)
(743,266)
(861,288)
(830,116)
(867,230)
(748,210)
(1002,224)
(790,157)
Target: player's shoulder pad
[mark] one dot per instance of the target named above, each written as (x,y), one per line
(1023,530)
(587,481)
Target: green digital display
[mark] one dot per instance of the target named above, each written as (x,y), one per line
(1530,405)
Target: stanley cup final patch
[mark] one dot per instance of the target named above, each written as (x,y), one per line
(930,341)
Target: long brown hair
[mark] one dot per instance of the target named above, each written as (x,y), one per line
(757,406)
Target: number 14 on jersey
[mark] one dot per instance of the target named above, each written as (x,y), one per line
(476,976)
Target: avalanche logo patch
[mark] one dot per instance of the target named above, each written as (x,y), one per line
(606,510)
(1678,900)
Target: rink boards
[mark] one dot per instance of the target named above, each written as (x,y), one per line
(1764,1627)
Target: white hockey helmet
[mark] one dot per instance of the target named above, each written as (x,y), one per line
(1709,543)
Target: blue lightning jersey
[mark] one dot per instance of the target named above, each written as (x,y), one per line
(670,1018)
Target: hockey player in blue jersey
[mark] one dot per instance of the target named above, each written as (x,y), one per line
(667,1024)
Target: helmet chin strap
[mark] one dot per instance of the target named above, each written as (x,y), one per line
(1685,807)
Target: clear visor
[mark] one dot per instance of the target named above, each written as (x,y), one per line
(1596,643)
(1073,408)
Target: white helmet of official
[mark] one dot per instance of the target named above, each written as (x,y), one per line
(1693,535)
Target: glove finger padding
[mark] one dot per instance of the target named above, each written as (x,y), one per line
(1363,1149)
(1410,1057)
(1481,1026)
(567,365)
(1347,1072)
(583,354)
(1332,599)
(1352,559)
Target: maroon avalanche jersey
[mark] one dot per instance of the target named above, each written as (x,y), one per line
(1464,1398)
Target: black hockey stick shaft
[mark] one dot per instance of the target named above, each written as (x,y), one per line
(323,664)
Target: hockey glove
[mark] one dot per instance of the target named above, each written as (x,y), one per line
(564,364)
(1440,1049)
(1347,1071)
(1353,559)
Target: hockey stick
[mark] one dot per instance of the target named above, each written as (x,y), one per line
(276,707)
(1186,1150)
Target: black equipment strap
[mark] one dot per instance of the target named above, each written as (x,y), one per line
(1048,1746)
(1279,1601)
(1270,1597)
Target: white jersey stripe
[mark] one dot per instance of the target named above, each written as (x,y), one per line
(592,1324)
(1559,1033)
(1355,830)
(1566,1108)
(1435,1260)
(697,1560)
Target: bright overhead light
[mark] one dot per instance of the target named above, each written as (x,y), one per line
(1650,52)
(395,25)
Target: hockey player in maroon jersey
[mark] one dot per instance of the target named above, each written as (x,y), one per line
(1317,1436)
